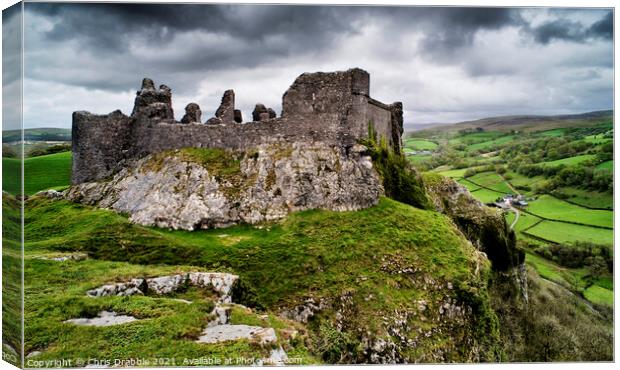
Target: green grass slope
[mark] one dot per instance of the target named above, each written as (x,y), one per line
(11,278)
(40,173)
(312,254)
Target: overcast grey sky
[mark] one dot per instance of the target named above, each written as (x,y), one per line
(444,64)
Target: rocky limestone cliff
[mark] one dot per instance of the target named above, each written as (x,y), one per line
(208,188)
(485,227)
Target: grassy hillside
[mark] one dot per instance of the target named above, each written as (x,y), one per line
(563,166)
(317,254)
(11,278)
(43,172)
(527,123)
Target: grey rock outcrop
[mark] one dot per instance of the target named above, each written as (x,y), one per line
(219,282)
(226,111)
(227,332)
(174,192)
(104,318)
(193,114)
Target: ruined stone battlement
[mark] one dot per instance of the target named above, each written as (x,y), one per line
(334,108)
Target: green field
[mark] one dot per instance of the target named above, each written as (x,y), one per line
(492,181)
(551,133)
(608,165)
(475,137)
(519,181)
(470,186)
(599,295)
(525,221)
(486,196)
(548,269)
(416,159)
(455,174)
(597,139)
(573,279)
(571,161)
(419,144)
(491,143)
(549,207)
(44,172)
(561,232)
(587,198)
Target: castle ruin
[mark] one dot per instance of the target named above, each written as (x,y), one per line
(333,108)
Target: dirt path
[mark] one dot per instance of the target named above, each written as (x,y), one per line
(516,211)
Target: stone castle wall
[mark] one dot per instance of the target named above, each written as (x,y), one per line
(333,108)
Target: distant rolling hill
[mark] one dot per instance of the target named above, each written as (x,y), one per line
(37,134)
(529,122)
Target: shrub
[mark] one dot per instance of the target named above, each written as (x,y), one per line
(400,179)
(334,346)
(8,152)
(59,148)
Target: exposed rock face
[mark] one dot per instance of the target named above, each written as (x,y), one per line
(226,111)
(152,103)
(105,318)
(192,114)
(174,191)
(485,227)
(227,332)
(221,283)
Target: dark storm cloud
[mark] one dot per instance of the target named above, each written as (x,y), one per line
(253,34)
(111,26)
(454,28)
(11,67)
(568,30)
(11,44)
(443,59)
(242,36)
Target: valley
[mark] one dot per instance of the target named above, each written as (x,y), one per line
(565,176)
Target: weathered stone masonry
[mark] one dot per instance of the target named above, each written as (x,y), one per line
(332,108)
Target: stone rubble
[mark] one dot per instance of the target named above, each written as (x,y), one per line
(221,283)
(228,332)
(104,318)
